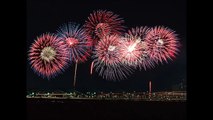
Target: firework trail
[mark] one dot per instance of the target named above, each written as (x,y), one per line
(76,66)
(135,51)
(91,67)
(107,61)
(78,42)
(48,55)
(101,23)
(163,43)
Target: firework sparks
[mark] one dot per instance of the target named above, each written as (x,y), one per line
(163,43)
(130,51)
(114,56)
(135,51)
(102,23)
(48,55)
(77,40)
(107,61)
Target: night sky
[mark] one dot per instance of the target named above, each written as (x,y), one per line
(47,16)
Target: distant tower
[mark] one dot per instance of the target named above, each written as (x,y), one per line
(150,86)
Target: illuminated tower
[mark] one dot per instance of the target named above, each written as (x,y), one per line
(150,86)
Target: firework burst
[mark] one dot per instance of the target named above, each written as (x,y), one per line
(163,43)
(107,61)
(48,55)
(78,41)
(134,50)
(130,50)
(139,32)
(101,23)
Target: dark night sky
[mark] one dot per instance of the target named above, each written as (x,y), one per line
(47,16)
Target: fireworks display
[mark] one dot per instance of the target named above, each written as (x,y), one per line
(115,54)
(107,50)
(107,58)
(135,51)
(130,50)
(139,32)
(101,23)
(48,55)
(163,43)
(77,40)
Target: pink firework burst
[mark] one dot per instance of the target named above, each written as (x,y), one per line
(107,61)
(48,55)
(135,50)
(78,41)
(101,23)
(139,32)
(163,43)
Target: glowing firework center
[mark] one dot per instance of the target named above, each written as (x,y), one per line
(132,47)
(71,42)
(111,48)
(110,56)
(160,42)
(48,54)
(108,50)
(131,50)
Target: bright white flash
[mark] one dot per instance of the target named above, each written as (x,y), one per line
(111,48)
(132,47)
(160,42)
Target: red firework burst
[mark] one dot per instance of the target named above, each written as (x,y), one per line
(78,41)
(48,55)
(107,50)
(107,61)
(101,23)
(138,32)
(134,50)
(163,43)
(130,50)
